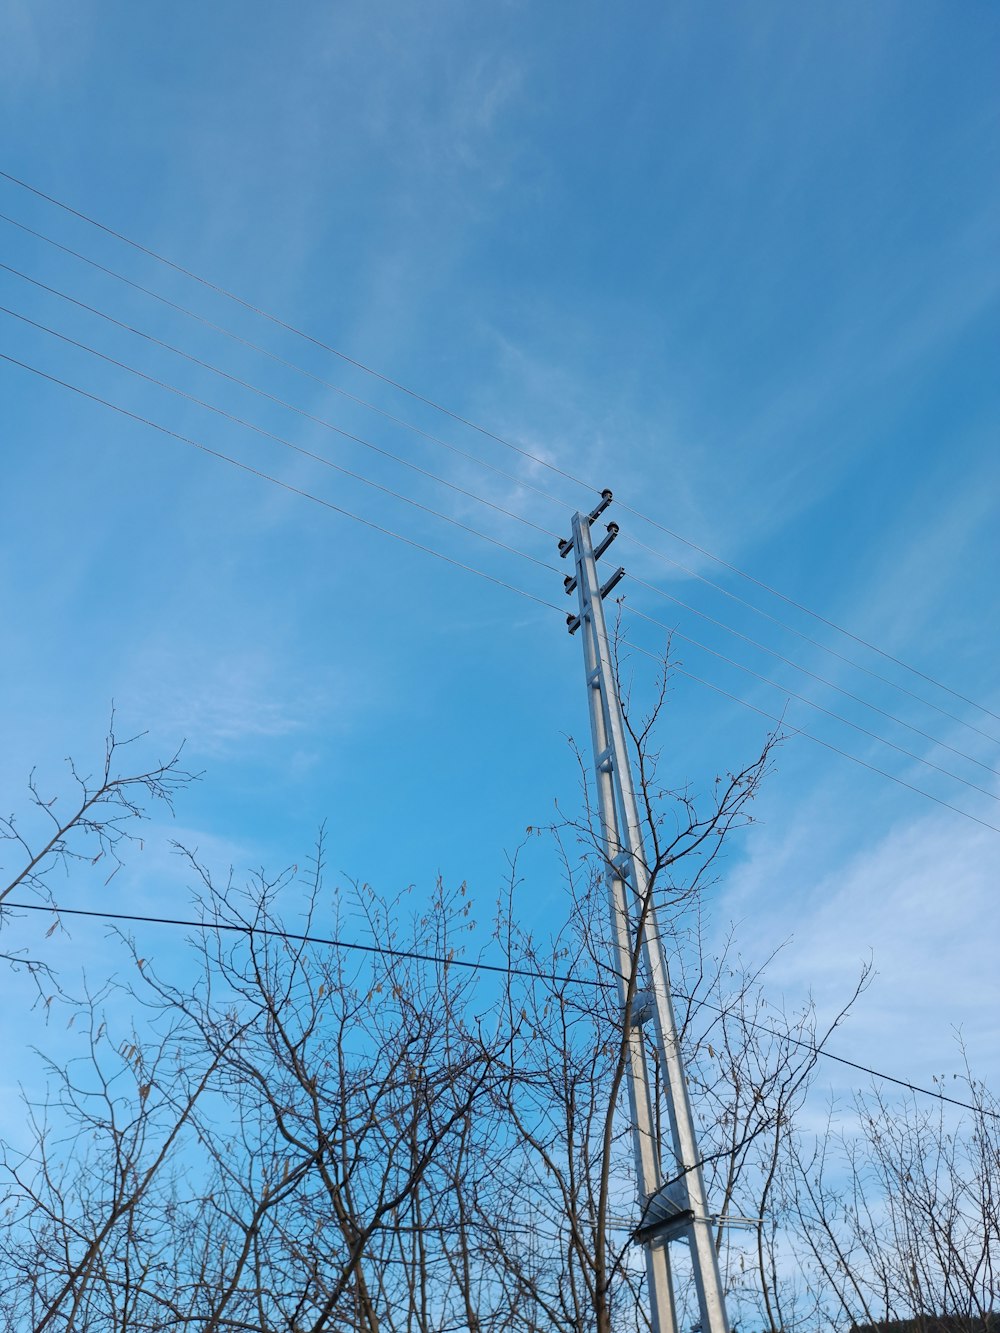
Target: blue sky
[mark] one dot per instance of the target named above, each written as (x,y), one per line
(739,264)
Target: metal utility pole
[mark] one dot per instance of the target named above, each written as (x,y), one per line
(670,1180)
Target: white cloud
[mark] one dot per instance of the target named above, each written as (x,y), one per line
(920,902)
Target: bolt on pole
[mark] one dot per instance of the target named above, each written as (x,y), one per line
(672,1208)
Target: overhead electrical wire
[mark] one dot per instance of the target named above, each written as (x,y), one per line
(180,352)
(471,457)
(791,694)
(475,426)
(806,638)
(278,439)
(810,703)
(451,560)
(496,969)
(275,481)
(491,504)
(488,538)
(823,680)
(831,624)
(808,735)
(463,491)
(279,402)
(291,328)
(285,362)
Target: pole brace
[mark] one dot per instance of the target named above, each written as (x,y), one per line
(566,544)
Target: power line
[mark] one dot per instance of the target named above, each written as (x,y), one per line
(471,457)
(499,508)
(811,703)
(496,969)
(823,680)
(800,731)
(269,932)
(451,485)
(470,494)
(291,328)
(283,361)
(831,624)
(806,638)
(471,569)
(273,398)
(278,439)
(472,425)
(276,481)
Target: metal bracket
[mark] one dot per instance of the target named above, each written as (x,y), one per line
(667,1213)
(612,534)
(643,1008)
(612,582)
(566,544)
(569,582)
(573,622)
(598,510)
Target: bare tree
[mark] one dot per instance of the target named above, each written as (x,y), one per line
(899,1215)
(565,1238)
(91,824)
(95,821)
(290,1135)
(252,1155)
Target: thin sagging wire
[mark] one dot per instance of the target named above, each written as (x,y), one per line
(806,638)
(508,513)
(813,675)
(278,439)
(823,620)
(275,481)
(283,361)
(183,394)
(817,740)
(218,371)
(482,430)
(811,703)
(463,453)
(280,402)
(471,569)
(496,969)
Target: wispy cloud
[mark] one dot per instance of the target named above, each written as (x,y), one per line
(216,705)
(39,41)
(919,901)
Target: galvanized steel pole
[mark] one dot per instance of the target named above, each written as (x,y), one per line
(676,1208)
